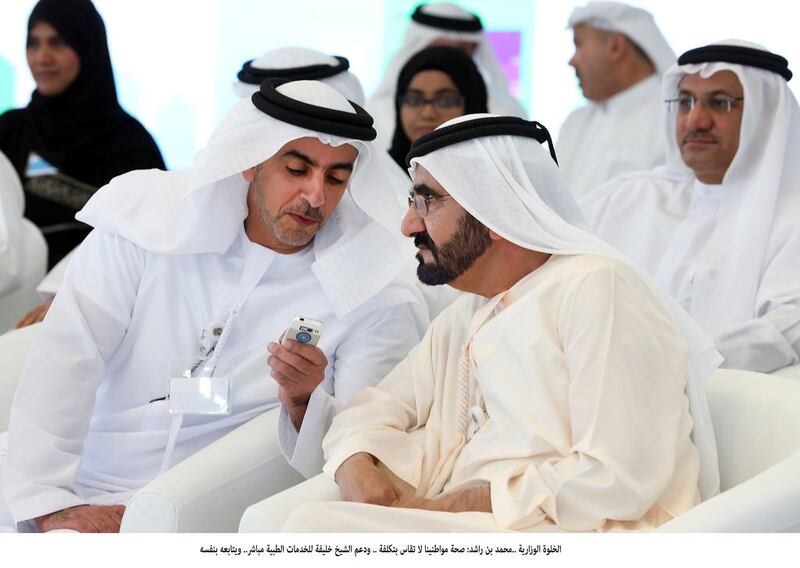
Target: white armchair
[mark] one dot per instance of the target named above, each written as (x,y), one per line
(757,424)
(209,491)
(268,516)
(792,372)
(14,347)
(14,305)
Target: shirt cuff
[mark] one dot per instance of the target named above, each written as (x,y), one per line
(55,500)
(303,449)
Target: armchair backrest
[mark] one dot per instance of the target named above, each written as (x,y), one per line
(756,421)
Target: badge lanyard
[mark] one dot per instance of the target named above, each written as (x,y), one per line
(256,265)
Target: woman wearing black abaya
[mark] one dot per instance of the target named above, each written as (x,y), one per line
(74,126)
(438,83)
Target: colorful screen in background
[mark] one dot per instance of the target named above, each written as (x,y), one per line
(506,46)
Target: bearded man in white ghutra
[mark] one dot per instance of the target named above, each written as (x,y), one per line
(717,225)
(284,63)
(564,393)
(182,285)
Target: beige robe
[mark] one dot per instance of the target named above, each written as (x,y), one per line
(580,378)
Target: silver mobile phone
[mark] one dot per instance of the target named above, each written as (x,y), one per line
(304,330)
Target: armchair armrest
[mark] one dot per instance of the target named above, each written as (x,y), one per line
(792,372)
(269,514)
(209,491)
(14,348)
(768,502)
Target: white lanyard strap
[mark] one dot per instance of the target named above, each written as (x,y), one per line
(256,264)
(174,428)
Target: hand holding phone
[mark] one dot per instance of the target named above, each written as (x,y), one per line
(304,330)
(298,369)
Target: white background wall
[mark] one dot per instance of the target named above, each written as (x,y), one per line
(175,59)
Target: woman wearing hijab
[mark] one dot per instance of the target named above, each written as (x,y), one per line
(435,85)
(442,23)
(73,126)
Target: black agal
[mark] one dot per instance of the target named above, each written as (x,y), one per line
(356,125)
(738,54)
(479,128)
(255,75)
(443,23)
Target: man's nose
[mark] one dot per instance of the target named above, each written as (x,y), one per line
(314,191)
(412,222)
(700,117)
(571,61)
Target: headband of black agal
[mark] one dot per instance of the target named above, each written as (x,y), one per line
(738,54)
(255,75)
(443,23)
(480,128)
(320,119)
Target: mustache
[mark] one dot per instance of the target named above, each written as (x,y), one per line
(304,209)
(425,240)
(701,136)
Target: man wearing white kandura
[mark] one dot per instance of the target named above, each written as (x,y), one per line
(287,63)
(620,57)
(183,289)
(717,225)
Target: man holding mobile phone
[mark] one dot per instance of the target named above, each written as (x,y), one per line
(286,211)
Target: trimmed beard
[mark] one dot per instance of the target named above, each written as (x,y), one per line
(455,256)
(294,238)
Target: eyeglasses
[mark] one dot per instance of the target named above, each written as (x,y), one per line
(718,104)
(441,101)
(421,202)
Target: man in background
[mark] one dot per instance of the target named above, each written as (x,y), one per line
(620,56)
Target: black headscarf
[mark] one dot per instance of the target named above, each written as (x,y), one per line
(83,131)
(457,65)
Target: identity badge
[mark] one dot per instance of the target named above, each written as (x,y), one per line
(38,166)
(198,386)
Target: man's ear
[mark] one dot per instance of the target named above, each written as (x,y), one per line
(618,45)
(494,236)
(249,174)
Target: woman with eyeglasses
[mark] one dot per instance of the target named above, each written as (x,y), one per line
(437,84)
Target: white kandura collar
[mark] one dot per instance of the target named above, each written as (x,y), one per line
(706,195)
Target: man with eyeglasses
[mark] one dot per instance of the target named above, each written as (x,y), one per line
(620,56)
(563,392)
(717,225)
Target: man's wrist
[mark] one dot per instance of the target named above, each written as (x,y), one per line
(361,459)
(473,499)
(297,412)
(42,521)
